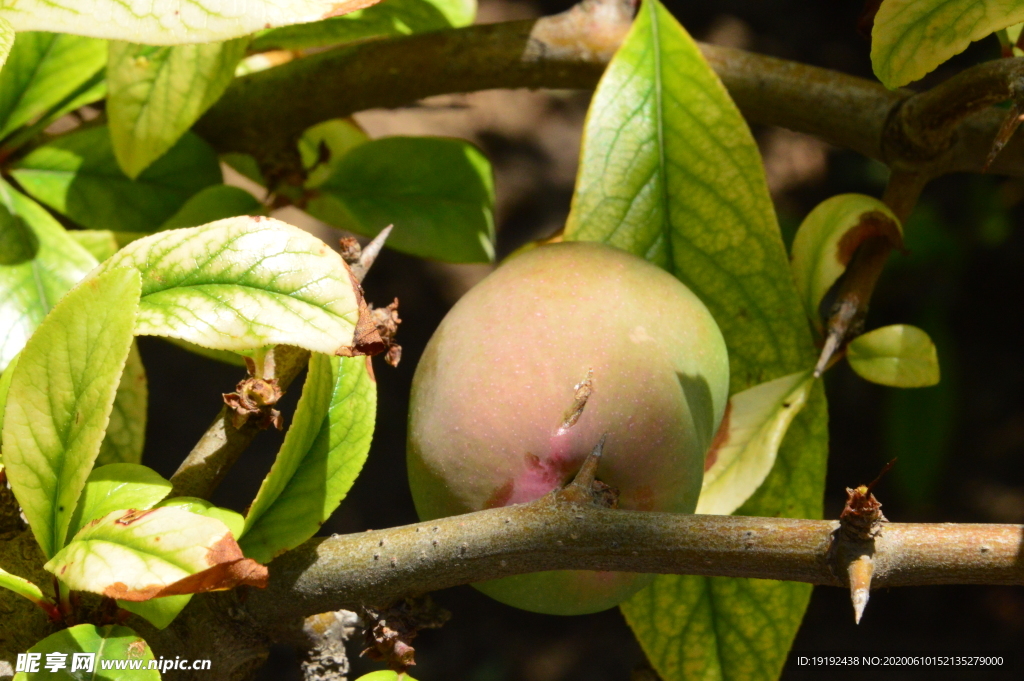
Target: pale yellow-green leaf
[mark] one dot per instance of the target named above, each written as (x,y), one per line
(756,422)
(900,355)
(134,558)
(155,94)
(242,283)
(826,240)
(168,23)
(60,399)
(912,37)
(6,40)
(21,586)
(117,486)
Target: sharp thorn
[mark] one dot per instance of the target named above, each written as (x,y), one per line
(860,572)
(370,252)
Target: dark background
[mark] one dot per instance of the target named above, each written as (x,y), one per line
(960,444)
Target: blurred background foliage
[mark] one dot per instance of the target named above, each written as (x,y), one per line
(960,444)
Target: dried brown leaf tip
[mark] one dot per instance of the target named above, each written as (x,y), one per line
(255,397)
(390,631)
(375,333)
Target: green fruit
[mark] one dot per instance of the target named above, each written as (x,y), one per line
(495,382)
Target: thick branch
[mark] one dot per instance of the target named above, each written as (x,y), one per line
(947,129)
(375,568)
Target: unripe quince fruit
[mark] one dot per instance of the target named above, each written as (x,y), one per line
(491,393)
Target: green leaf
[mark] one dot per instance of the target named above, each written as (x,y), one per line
(118,486)
(126,432)
(214,203)
(61,397)
(39,263)
(389,18)
(22,587)
(828,238)
(744,450)
(136,556)
(901,356)
(243,283)
(234,521)
(669,171)
(911,37)
(78,176)
(337,137)
(100,243)
(144,21)
(155,94)
(42,70)
(323,452)
(159,612)
(385,675)
(112,643)
(439,194)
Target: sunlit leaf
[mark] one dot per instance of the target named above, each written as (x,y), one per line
(389,18)
(911,37)
(39,263)
(669,171)
(828,238)
(22,587)
(78,176)
(118,486)
(6,40)
(160,612)
(243,283)
(42,70)
(900,355)
(155,94)
(234,521)
(61,397)
(439,194)
(142,21)
(136,556)
(745,449)
(322,454)
(385,675)
(110,643)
